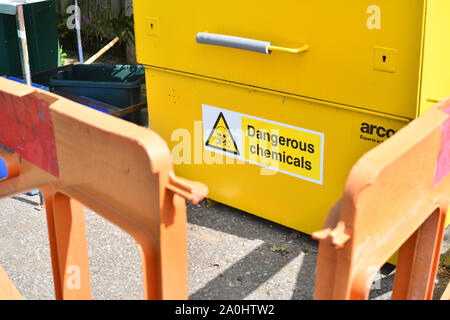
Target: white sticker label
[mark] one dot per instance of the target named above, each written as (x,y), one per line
(291,150)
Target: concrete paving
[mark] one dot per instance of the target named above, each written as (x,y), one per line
(232,255)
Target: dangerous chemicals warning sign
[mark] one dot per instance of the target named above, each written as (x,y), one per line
(281,147)
(221,138)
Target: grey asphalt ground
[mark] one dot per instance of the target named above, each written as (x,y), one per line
(232,255)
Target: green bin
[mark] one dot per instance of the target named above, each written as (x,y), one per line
(120,86)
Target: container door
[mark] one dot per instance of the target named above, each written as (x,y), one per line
(360,53)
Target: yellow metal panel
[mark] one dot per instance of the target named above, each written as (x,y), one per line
(341,64)
(436,64)
(175,112)
(354,71)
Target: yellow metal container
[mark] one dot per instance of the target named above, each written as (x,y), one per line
(271,103)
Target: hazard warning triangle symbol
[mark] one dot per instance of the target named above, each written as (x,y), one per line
(221,137)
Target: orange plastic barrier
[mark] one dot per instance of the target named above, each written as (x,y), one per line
(396,198)
(121,171)
(7,289)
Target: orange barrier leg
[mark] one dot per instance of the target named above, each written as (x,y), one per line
(7,289)
(70,252)
(446,295)
(327,257)
(419,259)
(47,193)
(174,284)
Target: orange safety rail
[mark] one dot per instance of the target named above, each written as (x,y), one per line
(76,155)
(396,198)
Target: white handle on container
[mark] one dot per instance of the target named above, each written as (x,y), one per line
(245,44)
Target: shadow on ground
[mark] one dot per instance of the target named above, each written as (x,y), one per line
(260,271)
(276,263)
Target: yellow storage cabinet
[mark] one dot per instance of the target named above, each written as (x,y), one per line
(271,103)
